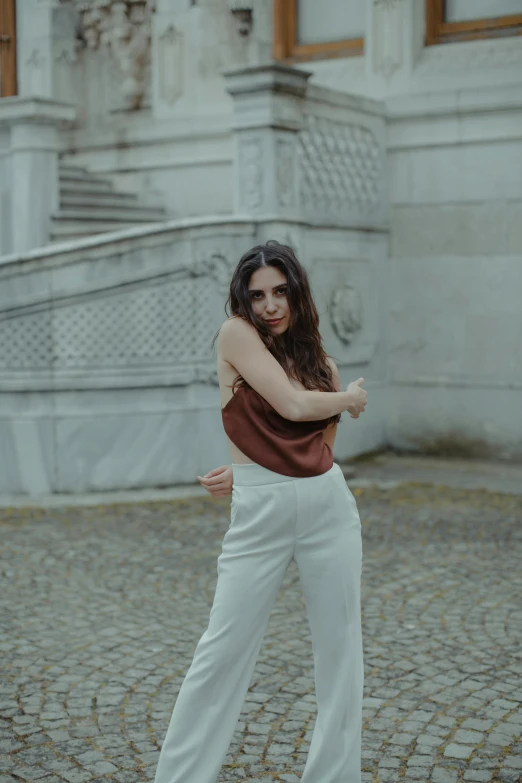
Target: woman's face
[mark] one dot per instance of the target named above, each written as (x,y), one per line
(267,290)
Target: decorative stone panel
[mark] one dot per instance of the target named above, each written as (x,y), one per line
(170,64)
(251,172)
(340,167)
(166,321)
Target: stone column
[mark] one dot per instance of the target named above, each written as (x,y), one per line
(30,127)
(268,114)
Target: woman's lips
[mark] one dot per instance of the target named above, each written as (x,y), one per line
(274,322)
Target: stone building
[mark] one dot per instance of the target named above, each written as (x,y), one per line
(145,145)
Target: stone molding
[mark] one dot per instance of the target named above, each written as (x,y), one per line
(35,110)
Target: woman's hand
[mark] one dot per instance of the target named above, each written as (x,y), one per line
(218,482)
(359,398)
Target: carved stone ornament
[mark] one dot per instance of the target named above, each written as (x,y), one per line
(387,36)
(251,172)
(285,172)
(243,12)
(170,60)
(346,313)
(123,26)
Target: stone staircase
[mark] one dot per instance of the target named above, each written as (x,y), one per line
(90,205)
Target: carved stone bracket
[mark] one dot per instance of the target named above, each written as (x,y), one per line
(124,27)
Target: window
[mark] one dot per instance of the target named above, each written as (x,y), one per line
(463,20)
(7,48)
(308,29)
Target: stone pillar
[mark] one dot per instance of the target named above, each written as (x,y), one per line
(29,194)
(268,114)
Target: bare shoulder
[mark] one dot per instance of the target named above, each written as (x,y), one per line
(231,323)
(335,373)
(236,330)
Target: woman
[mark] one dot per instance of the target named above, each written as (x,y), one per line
(281,402)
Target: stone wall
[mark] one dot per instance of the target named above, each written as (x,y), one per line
(450,306)
(455,351)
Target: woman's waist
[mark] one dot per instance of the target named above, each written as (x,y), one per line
(249,474)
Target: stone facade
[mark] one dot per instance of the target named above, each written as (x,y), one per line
(393,174)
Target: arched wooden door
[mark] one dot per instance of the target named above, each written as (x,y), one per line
(7,48)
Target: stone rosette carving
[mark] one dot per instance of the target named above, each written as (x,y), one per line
(346,313)
(124,27)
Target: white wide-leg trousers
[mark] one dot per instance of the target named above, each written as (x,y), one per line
(275,518)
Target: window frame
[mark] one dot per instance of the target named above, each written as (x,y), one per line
(286,47)
(438,31)
(8,85)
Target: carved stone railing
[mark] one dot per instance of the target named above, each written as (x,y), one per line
(109,340)
(342,159)
(102,318)
(303,152)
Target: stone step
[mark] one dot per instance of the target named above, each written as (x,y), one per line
(73,171)
(90,205)
(90,191)
(64,230)
(102,213)
(81,180)
(105,201)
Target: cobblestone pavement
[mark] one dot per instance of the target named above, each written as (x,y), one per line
(102,607)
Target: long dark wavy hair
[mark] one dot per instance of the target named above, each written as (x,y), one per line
(299,350)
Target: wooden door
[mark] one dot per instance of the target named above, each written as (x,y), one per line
(7,48)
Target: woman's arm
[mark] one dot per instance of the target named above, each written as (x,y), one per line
(240,344)
(331,431)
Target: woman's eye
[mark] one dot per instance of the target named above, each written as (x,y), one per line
(258,294)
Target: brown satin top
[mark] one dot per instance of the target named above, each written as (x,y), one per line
(292,448)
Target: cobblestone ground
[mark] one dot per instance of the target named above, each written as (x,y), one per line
(102,607)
